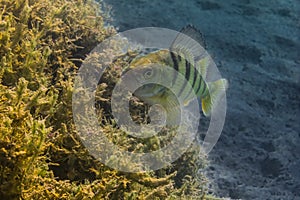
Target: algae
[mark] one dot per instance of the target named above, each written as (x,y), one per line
(42,44)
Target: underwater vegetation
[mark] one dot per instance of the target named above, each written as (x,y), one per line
(42,44)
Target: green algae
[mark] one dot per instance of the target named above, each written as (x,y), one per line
(42,44)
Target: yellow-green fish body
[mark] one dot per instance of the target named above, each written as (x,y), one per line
(186,80)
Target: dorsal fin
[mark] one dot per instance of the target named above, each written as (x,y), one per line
(190,39)
(194,33)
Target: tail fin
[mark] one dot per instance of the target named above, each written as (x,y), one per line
(216,92)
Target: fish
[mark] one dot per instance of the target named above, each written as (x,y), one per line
(189,80)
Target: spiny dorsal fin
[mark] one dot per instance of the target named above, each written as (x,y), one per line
(191,40)
(194,33)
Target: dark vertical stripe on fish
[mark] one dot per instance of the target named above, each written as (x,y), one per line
(187,76)
(199,86)
(179,58)
(195,75)
(188,70)
(176,67)
(204,88)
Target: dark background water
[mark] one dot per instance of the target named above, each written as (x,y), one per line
(255,45)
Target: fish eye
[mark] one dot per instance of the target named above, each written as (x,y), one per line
(148,73)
